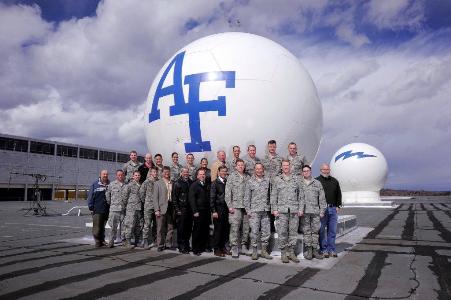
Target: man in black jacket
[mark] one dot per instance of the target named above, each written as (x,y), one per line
(180,200)
(200,205)
(332,191)
(220,213)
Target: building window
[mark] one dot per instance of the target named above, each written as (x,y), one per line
(89,153)
(107,156)
(13,144)
(66,151)
(122,158)
(42,148)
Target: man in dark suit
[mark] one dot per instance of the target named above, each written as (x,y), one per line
(182,207)
(220,213)
(200,205)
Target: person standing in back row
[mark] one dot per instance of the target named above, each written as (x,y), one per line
(328,230)
(131,166)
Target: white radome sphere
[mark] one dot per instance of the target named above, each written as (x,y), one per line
(232,89)
(361,170)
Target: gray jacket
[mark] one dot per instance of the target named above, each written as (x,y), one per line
(114,196)
(131,197)
(235,189)
(313,199)
(257,197)
(285,194)
(160,196)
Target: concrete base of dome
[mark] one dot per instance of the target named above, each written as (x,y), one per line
(364,199)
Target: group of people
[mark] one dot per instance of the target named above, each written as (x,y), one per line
(245,198)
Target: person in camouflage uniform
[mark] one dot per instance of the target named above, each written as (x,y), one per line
(176,168)
(132,200)
(297,161)
(232,162)
(159,164)
(234,197)
(146,193)
(285,206)
(117,209)
(192,168)
(272,161)
(131,166)
(256,202)
(312,206)
(250,160)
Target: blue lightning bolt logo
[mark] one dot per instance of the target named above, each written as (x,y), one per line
(349,154)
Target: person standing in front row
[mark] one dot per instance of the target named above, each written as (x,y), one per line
(332,191)
(234,197)
(99,207)
(256,201)
(313,203)
(131,199)
(146,193)
(164,210)
(180,191)
(200,206)
(285,207)
(220,213)
(117,208)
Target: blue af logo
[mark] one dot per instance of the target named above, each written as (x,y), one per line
(193,107)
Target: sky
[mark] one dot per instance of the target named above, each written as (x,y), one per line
(79,71)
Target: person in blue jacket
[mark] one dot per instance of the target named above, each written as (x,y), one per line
(99,207)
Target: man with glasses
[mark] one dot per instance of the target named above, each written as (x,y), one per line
(333,198)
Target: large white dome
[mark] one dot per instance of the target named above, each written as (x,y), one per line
(361,170)
(232,89)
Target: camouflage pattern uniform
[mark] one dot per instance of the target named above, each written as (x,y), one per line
(117,209)
(234,196)
(192,172)
(285,200)
(231,165)
(272,165)
(131,198)
(159,171)
(256,202)
(130,167)
(297,162)
(150,225)
(175,171)
(312,203)
(249,164)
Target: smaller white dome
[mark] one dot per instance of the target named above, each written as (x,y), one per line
(361,170)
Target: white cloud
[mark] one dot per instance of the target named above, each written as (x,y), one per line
(396,14)
(85,81)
